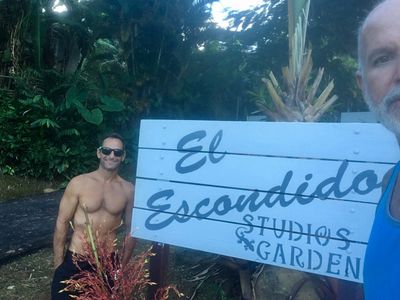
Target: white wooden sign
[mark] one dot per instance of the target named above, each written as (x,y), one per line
(296,195)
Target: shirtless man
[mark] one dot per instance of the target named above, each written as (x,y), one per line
(379,78)
(107,198)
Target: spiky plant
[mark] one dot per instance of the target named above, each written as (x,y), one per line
(293,100)
(296,100)
(107,278)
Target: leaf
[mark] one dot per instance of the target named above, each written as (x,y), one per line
(69,132)
(94,116)
(74,97)
(36,99)
(280,106)
(111,104)
(273,79)
(48,103)
(313,90)
(45,122)
(324,95)
(34,102)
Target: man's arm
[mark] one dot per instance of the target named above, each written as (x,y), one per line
(130,242)
(66,212)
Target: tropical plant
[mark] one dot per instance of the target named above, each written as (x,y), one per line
(295,100)
(107,278)
(40,139)
(158,59)
(99,66)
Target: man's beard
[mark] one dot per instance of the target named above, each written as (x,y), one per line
(391,120)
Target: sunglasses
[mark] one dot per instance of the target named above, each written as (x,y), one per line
(107,151)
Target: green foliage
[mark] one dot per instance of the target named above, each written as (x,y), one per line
(94,116)
(332,31)
(111,104)
(75,98)
(51,124)
(104,65)
(39,140)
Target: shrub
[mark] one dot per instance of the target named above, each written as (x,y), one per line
(108,277)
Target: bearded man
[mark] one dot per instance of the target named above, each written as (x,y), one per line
(379,78)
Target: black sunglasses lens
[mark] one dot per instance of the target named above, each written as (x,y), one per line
(106,151)
(118,152)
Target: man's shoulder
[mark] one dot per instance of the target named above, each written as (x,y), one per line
(81,179)
(126,184)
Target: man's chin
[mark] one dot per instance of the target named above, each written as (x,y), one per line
(113,168)
(392,123)
(110,166)
(386,111)
(391,120)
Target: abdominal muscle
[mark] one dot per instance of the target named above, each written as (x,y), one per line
(103,225)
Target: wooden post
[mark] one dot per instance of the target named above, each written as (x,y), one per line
(158,269)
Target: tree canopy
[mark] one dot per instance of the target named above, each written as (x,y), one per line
(67,78)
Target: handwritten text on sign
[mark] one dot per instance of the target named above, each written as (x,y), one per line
(222,188)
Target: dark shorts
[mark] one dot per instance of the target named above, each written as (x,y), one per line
(64,272)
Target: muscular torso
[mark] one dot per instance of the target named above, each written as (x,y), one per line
(104,203)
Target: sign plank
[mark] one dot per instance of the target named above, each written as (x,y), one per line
(282,139)
(320,255)
(179,203)
(297,175)
(297,195)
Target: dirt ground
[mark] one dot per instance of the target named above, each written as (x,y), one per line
(28,277)
(196,274)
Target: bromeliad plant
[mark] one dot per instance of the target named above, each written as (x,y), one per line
(293,101)
(296,100)
(107,278)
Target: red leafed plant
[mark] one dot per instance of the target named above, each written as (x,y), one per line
(107,278)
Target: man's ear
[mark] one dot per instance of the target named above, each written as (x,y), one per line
(359,79)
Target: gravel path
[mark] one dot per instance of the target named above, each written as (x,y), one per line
(27,224)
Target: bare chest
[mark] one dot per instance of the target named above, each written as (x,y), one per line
(106,198)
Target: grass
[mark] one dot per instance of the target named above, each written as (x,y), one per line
(12,187)
(27,277)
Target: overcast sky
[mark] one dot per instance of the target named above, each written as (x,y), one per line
(218,8)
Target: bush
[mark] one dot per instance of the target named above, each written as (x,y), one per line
(38,140)
(48,131)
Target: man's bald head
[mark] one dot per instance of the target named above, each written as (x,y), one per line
(360,47)
(379,62)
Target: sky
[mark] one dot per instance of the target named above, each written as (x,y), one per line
(218,9)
